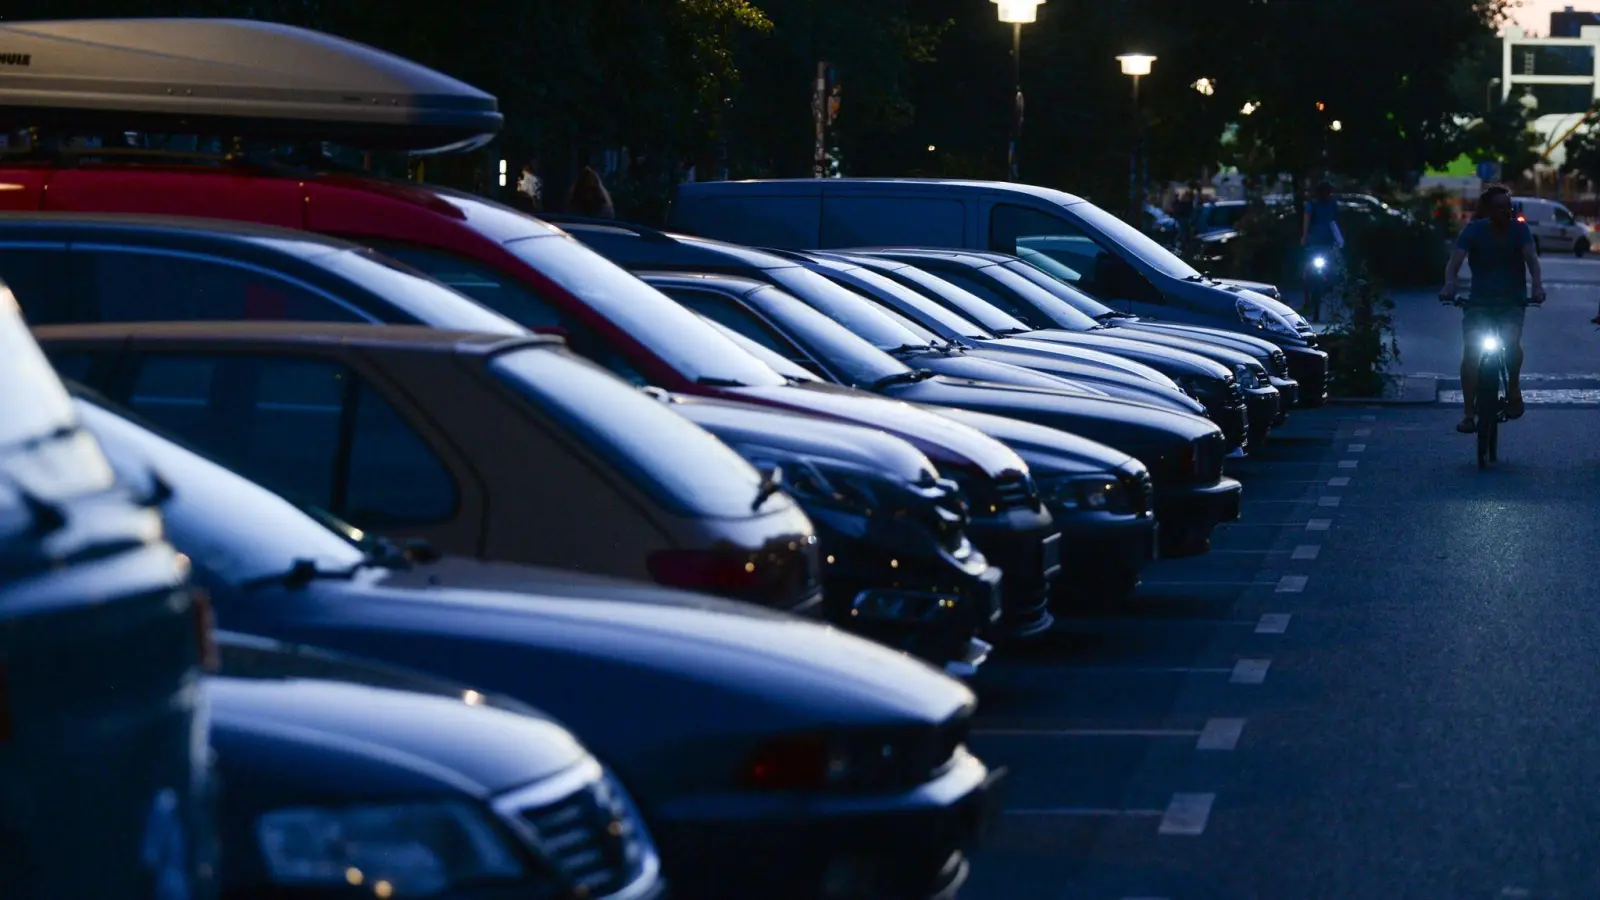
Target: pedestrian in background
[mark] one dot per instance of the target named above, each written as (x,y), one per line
(530,187)
(589,196)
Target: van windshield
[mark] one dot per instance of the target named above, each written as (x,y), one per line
(1135,241)
(33,404)
(664,455)
(670,331)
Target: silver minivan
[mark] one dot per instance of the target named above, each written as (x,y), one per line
(1553,226)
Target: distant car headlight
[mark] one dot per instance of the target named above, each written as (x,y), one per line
(393,850)
(1258,316)
(1093,492)
(1247,377)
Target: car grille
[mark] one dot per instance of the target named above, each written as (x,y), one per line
(1278,364)
(1209,452)
(1141,493)
(1235,391)
(1016,492)
(590,838)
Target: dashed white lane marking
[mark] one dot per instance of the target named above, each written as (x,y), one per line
(1291,584)
(1220,734)
(1328,501)
(1363,432)
(1318,524)
(1356,448)
(1349,463)
(1369,418)
(1515,892)
(1273,623)
(1187,814)
(1250,671)
(1306,551)
(1341,481)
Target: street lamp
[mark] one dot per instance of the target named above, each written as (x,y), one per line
(1016,13)
(1249,108)
(1336,126)
(1205,86)
(1136,65)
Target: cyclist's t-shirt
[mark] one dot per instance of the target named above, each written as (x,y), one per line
(1323,214)
(1499,273)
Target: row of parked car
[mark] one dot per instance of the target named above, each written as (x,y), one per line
(734,513)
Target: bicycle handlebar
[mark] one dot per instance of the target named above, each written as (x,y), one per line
(1461,301)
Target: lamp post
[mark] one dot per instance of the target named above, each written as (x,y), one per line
(1016,13)
(1205,87)
(1137,65)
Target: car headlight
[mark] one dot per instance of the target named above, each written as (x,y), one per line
(1248,379)
(1258,316)
(1093,492)
(395,850)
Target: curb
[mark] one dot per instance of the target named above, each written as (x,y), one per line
(1401,390)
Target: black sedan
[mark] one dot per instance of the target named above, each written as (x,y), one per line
(1183,452)
(760,747)
(897,564)
(988,293)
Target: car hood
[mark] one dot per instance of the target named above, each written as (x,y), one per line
(1195,344)
(1080,355)
(945,441)
(1245,343)
(1049,451)
(1057,359)
(305,725)
(669,688)
(1147,432)
(984,367)
(1170,361)
(742,424)
(1260,287)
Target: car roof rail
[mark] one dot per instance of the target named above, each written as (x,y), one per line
(653,235)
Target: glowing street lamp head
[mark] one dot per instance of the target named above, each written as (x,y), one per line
(1249,108)
(1336,126)
(1205,86)
(1018,12)
(1136,63)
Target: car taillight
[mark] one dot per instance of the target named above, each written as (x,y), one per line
(801,762)
(204,630)
(707,570)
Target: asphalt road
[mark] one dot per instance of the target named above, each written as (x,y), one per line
(1380,684)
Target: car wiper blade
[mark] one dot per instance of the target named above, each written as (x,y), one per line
(301,573)
(908,349)
(910,376)
(771,483)
(709,381)
(1113,314)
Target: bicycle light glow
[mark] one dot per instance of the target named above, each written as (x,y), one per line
(1319,262)
(1489,343)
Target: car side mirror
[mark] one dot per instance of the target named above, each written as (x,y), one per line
(420,551)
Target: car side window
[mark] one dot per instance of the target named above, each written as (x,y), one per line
(733,314)
(496,290)
(1562,216)
(127,285)
(394,477)
(34,275)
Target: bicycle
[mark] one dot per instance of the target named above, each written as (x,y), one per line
(1489,409)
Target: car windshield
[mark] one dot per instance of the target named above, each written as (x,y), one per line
(663,454)
(430,301)
(673,333)
(856,313)
(959,300)
(856,360)
(1042,293)
(1060,288)
(786,368)
(915,306)
(33,404)
(1120,232)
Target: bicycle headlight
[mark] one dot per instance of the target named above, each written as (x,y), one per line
(1319,263)
(1092,492)
(1257,316)
(394,850)
(1490,343)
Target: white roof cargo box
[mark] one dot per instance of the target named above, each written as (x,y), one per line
(232,77)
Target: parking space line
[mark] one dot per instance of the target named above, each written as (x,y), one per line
(1356,448)
(1085,811)
(1348,463)
(1318,524)
(1341,481)
(1128,670)
(1088,732)
(1291,584)
(1273,623)
(1207,583)
(1306,551)
(1187,814)
(1250,671)
(1328,501)
(1141,623)
(1369,418)
(1363,432)
(1220,734)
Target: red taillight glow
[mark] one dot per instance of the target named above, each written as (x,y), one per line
(205,637)
(709,570)
(791,763)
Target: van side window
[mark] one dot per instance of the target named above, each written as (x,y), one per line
(849,221)
(34,275)
(736,316)
(1562,216)
(1011,227)
(498,291)
(139,285)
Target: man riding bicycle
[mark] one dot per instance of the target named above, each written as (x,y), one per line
(1320,235)
(1501,253)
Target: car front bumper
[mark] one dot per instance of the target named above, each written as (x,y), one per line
(1309,367)
(970,598)
(1190,513)
(1263,405)
(1288,397)
(1233,417)
(1026,546)
(1104,552)
(910,844)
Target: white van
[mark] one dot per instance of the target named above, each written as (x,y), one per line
(1553,226)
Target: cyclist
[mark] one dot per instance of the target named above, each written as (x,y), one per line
(1501,253)
(1319,234)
